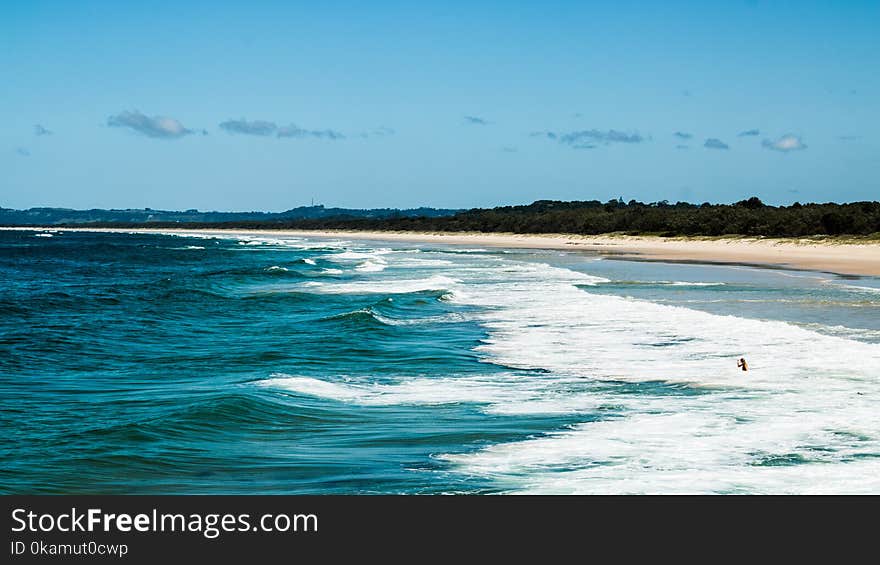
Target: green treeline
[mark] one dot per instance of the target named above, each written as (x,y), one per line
(748,217)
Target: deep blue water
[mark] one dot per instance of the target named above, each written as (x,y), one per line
(150,363)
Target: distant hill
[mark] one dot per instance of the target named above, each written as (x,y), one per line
(57,216)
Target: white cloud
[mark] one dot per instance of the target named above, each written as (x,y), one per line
(155,126)
(257,127)
(785,143)
(715,143)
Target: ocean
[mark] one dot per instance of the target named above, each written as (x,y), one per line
(186,363)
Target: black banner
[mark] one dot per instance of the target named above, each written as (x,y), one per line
(276,529)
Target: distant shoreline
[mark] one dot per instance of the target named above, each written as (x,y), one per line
(833,256)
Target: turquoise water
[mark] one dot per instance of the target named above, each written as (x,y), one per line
(150,363)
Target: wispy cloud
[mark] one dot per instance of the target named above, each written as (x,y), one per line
(474,120)
(713,143)
(589,138)
(682,147)
(380,131)
(682,135)
(748,133)
(509,149)
(22,152)
(848,137)
(785,143)
(610,136)
(298,132)
(40,130)
(266,128)
(242,126)
(156,126)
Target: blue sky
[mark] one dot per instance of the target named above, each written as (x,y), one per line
(267,105)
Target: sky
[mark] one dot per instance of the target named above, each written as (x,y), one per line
(272,105)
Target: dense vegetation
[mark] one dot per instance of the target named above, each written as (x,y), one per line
(748,217)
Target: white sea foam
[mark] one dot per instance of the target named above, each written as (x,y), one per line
(280,241)
(443,319)
(802,420)
(370,261)
(188,235)
(42,235)
(349,255)
(420,263)
(372,266)
(668,283)
(797,401)
(863,334)
(392,286)
(276,268)
(308,261)
(688,452)
(687,283)
(547,322)
(859,288)
(415,390)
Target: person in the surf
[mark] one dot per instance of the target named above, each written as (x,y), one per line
(742,364)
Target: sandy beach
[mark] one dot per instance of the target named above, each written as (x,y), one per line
(834,256)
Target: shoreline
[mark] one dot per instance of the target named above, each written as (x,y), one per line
(842,258)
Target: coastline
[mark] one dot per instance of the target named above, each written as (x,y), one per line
(844,258)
